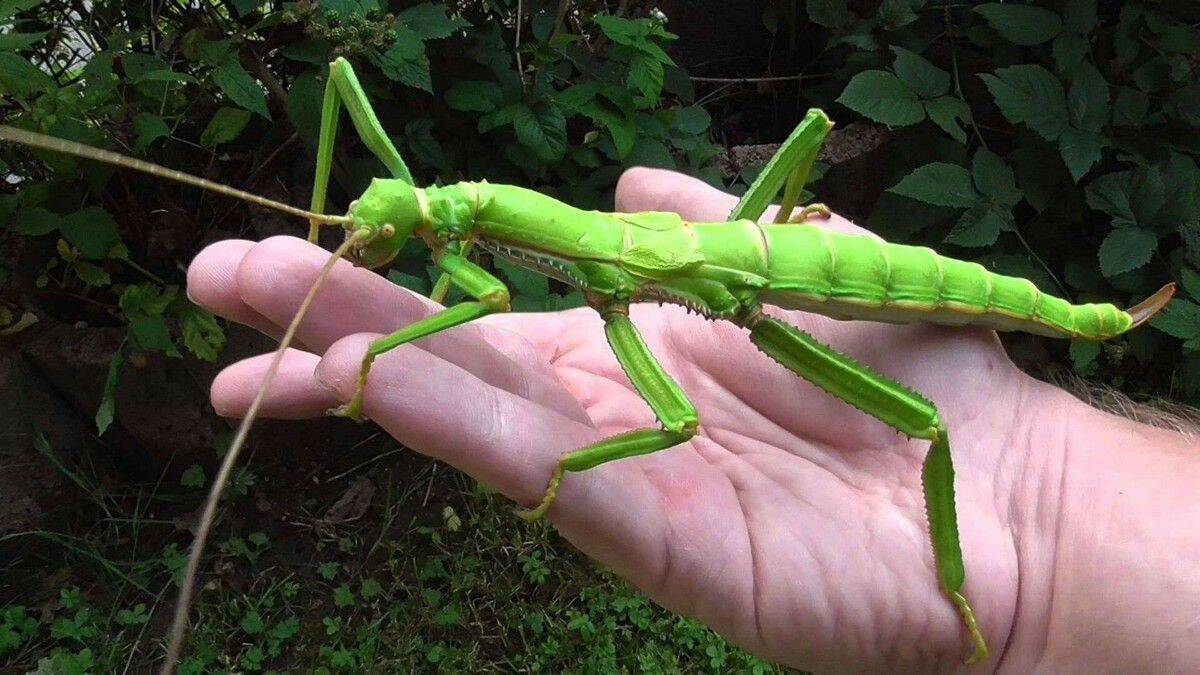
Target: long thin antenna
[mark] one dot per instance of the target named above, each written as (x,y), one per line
(183,604)
(51,143)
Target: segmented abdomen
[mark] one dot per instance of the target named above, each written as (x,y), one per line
(858,277)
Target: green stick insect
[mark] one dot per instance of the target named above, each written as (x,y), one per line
(725,271)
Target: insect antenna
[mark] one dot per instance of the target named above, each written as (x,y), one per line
(44,142)
(188,587)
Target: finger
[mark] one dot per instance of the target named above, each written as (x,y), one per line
(273,277)
(645,189)
(212,284)
(294,394)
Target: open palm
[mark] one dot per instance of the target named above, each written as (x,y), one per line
(793,524)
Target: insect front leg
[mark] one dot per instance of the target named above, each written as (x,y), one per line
(491,294)
(902,409)
(343,88)
(668,401)
(788,170)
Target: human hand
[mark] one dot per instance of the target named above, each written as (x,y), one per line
(792,524)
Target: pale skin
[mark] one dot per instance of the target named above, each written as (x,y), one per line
(792,524)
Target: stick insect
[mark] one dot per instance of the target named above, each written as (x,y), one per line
(724,271)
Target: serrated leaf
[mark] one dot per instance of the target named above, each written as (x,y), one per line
(149,128)
(20,78)
(1084,353)
(1080,17)
(1180,318)
(226,125)
(303,106)
(1130,107)
(474,96)
(193,477)
(619,126)
(1069,51)
(829,13)
(1081,150)
(405,61)
(895,14)
(646,73)
(242,89)
(1088,98)
(525,282)
(544,131)
(921,76)
(202,335)
(692,120)
(940,184)
(980,225)
(949,112)
(108,400)
(430,22)
(12,41)
(1029,94)
(92,275)
(1024,25)
(881,96)
(149,333)
(91,230)
(1126,249)
(419,134)
(35,222)
(1190,280)
(994,178)
(650,152)
(1184,105)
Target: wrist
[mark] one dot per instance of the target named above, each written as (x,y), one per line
(1108,548)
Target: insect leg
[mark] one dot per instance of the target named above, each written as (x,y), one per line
(343,89)
(668,401)
(902,409)
(791,165)
(492,296)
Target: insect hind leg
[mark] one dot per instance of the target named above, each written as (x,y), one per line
(902,409)
(343,89)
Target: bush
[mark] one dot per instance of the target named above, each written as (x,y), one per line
(1051,140)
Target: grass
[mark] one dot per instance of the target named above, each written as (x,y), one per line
(435,574)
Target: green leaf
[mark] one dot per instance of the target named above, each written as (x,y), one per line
(650,152)
(430,22)
(526,283)
(149,333)
(92,275)
(1183,104)
(949,112)
(1126,249)
(646,73)
(620,127)
(20,78)
(994,178)
(940,184)
(1069,51)
(474,96)
(91,230)
(202,335)
(1079,17)
(1130,107)
(544,131)
(149,128)
(242,89)
(315,52)
(226,125)
(921,76)
(692,120)
(1025,25)
(252,623)
(1088,98)
(193,477)
(1030,94)
(405,61)
(9,8)
(829,13)
(1084,353)
(622,31)
(881,96)
(11,42)
(1180,318)
(108,400)
(1081,150)
(303,106)
(419,134)
(980,225)
(35,221)
(895,14)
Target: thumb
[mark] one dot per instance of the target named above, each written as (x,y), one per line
(644,189)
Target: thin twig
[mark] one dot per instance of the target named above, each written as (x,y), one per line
(749,80)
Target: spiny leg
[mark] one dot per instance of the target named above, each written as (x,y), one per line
(790,167)
(492,297)
(343,89)
(902,409)
(668,401)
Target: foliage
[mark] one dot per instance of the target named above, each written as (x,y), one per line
(1054,140)
(231,89)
